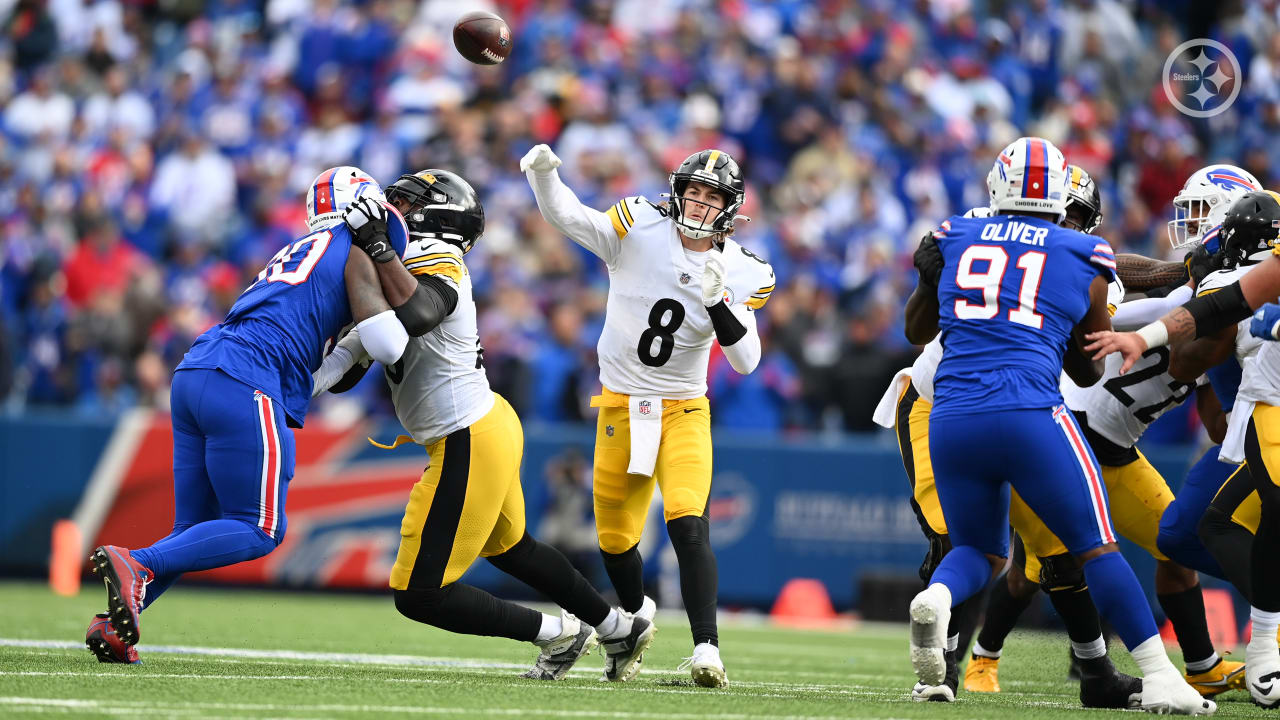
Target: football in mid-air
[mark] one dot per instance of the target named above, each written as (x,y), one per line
(482,37)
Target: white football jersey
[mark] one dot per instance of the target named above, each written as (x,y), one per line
(1246,345)
(439,385)
(657,333)
(1120,407)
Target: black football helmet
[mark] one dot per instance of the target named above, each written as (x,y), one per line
(1084,202)
(440,204)
(719,170)
(1251,227)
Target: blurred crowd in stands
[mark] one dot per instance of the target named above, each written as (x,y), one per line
(153,155)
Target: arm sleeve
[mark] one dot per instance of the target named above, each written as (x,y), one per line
(1136,313)
(601,233)
(345,356)
(429,305)
(736,330)
(383,337)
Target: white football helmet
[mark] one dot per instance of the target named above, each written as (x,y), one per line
(333,190)
(1029,176)
(1203,201)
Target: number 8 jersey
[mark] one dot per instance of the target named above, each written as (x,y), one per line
(1013,289)
(657,334)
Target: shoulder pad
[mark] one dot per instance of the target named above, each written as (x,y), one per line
(629,211)
(430,256)
(1219,279)
(758,274)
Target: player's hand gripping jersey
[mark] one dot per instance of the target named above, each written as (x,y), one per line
(1013,289)
(276,334)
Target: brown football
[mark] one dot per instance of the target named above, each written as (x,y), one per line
(482,37)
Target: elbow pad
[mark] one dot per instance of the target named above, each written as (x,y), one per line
(428,306)
(383,337)
(1218,310)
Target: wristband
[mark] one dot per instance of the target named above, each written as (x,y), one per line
(1155,334)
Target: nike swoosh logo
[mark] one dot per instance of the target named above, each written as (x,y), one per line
(689,410)
(1263,690)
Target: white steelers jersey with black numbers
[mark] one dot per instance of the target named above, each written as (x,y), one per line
(657,333)
(1120,407)
(439,384)
(1246,344)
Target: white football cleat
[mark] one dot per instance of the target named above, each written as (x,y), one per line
(558,654)
(932,693)
(1262,673)
(930,613)
(648,609)
(1167,693)
(706,667)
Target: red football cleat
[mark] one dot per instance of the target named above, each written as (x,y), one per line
(126,580)
(106,644)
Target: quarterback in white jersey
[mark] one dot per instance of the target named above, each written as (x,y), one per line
(677,281)
(469,502)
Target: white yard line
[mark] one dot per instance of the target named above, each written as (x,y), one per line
(121,707)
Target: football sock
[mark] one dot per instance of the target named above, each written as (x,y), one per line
(210,544)
(1120,599)
(551,628)
(469,610)
(626,572)
(156,587)
(614,625)
(964,572)
(1089,650)
(690,536)
(548,571)
(1264,626)
(1226,541)
(980,650)
(1149,654)
(1185,611)
(1003,610)
(1078,614)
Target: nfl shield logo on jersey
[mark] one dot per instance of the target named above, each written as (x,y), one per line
(645,406)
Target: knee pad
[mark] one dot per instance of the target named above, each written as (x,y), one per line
(1061,572)
(616,543)
(625,557)
(420,603)
(514,555)
(689,531)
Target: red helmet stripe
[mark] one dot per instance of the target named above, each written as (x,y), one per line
(1037,170)
(322,193)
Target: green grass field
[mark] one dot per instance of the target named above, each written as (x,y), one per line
(250,654)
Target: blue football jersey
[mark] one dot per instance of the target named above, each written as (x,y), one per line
(278,330)
(1013,289)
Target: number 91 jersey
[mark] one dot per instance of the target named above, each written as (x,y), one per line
(657,333)
(275,335)
(1012,290)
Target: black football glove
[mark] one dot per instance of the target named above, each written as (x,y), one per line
(929,261)
(367,219)
(1200,262)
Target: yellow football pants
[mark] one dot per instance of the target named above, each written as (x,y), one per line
(1137,496)
(913,442)
(468,504)
(1265,432)
(683,468)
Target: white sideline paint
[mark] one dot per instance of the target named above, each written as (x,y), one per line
(121,707)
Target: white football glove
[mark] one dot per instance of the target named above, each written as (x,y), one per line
(539,159)
(363,211)
(713,279)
